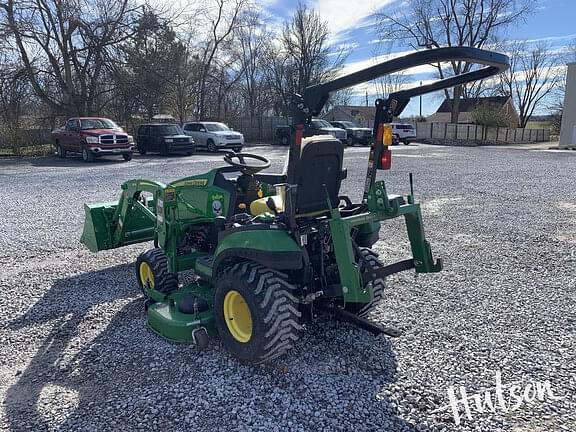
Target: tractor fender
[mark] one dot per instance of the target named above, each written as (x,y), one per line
(273,248)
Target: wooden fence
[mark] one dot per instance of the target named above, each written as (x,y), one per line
(258,129)
(471,132)
(11,138)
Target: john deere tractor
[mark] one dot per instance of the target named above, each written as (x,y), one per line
(270,252)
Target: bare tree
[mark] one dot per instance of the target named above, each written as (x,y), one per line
(305,41)
(64,45)
(446,23)
(223,20)
(532,77)
(252,38)
(301,58)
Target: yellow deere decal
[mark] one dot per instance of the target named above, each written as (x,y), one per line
(191,182)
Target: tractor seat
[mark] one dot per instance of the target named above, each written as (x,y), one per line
(320,163)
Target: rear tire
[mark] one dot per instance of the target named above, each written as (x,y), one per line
(211,146)
(368,260)
(256,312)
(152,271)
(60,151)
(142,150)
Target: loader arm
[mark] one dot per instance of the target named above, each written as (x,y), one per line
(123,222)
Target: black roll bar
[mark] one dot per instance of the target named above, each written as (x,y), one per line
(315,97)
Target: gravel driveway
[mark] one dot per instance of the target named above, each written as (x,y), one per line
(75,354)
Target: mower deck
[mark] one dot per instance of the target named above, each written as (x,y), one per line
(166,318)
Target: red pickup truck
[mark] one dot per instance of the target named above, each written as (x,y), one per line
(92,137)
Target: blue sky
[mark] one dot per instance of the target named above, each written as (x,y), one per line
(351,24)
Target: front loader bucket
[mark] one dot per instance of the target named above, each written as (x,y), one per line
(97,234)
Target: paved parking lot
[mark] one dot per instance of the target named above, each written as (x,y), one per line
(75,353)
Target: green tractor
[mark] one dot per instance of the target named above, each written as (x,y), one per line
(270,252)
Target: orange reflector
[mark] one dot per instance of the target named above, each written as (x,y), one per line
(387,135)
(385,159)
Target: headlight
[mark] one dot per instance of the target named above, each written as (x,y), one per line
(358,133)
(332,133)
(168,140)
(92,140)
(130,139)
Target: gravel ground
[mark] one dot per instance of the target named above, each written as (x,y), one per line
(75,353)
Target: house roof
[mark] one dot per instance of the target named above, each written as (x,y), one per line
(467,105)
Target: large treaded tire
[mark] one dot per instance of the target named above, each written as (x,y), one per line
(164,281)
(368,258)
(273,309)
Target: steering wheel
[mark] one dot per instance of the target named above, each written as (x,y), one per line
(238,160)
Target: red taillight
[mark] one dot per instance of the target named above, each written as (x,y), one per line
(385,159)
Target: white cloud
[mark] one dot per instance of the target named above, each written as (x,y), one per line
(344,15)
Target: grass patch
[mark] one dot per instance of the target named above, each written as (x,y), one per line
(538,125)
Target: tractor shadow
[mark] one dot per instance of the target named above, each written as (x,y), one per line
(70,309)
(86,362)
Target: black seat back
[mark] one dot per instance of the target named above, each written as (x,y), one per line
(320,164)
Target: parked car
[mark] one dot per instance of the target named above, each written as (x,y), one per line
(315,127)
(214,136)
(92,137)
(404,132)
(322,127)
(355,133)
(164,138)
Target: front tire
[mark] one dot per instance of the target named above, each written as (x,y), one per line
(255,312)
(211,146)
(87,156)
(127,157)
(142,150)
(368,260)
(152,273)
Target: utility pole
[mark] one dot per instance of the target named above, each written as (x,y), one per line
(366,97)
(420,102)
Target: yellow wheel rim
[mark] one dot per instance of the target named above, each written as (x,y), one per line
(238,317)
(146,275)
